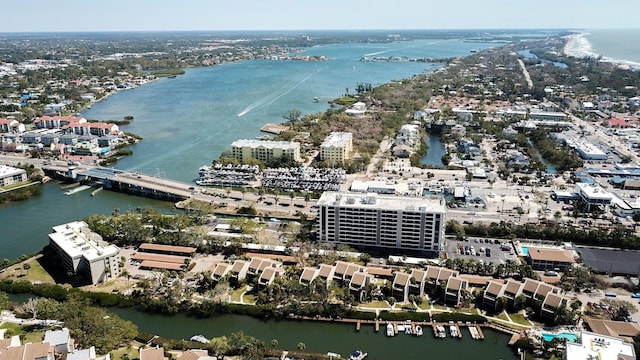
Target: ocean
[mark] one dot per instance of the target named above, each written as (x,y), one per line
(614,45)
(186,122)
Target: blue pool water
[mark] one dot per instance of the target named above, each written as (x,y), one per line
(568,336)
(524,250)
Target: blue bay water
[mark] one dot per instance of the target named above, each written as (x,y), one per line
(186,122)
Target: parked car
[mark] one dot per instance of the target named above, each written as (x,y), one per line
(635,295)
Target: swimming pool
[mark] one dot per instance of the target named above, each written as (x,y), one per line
(568,336)
(524,250)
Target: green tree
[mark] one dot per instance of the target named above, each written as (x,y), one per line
(4,301)
(301,346)
(292,116)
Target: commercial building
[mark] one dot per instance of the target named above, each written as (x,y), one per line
(336,147)
(265,150)
(10,175)
(84,253)
(597,346)
(384,221)
(549,259)
(593,195)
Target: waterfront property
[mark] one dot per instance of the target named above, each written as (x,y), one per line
(83,252)
(373,220)
(597,346)
(265,150)
(533,290)
(336,147)
(10,175)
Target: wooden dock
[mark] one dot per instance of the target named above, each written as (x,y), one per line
(377,326)
(358,325)
(458,330)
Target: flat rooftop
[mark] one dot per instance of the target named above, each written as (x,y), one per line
(382,202)
(597,346)
(76,239)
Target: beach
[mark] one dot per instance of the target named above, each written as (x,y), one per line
(619,47)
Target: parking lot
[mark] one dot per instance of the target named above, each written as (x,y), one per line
(476,248)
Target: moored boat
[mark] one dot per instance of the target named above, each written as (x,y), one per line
(390,330)
(358,355)
(418,330)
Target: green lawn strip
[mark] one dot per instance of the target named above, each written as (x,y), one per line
(375,304)
(520,319)
(236,295)
(510,325)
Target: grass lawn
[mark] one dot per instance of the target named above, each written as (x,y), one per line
(376,304)
(502,316)
(249,299)
(131,350)
(36,272)
(520,319)
(236,295)
(510,325)
(26,331)
(424,306)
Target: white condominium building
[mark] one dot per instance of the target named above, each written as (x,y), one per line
(373,220)
(265,150)
(84,253)
(337,147)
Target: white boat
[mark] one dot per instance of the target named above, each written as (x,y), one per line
(333,355)
(200,339)
(400,328)
(453,331)
(77,189)
(418,330)
(358,355)
(407,330)
(441,331)
(390,330)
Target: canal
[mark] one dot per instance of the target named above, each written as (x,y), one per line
(321,337)
(434,152)
(27,223)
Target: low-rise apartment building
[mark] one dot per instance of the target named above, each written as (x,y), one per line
(337,147)
(264,150)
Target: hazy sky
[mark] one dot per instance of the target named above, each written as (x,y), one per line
(151,15)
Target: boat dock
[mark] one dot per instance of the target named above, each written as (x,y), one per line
(476,332)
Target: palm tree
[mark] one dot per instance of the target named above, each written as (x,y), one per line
(274,342)
(301,346)
(276,196)
(292,195)
(307,197)
(243,190)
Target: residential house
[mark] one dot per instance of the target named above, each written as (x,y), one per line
(269,274)
(239,270)
(258,265)
(492,292)
(455,290)
(550,305)
(308,275)
(512,289)
(417,281)
(11,126)
(400,286)
(28,351)
(358,282)
(220,271)
(196,354)
(437,276)
(60,340)
(156,353)
(326,273)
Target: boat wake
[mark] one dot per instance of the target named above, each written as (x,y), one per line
(273,97)
(390,50)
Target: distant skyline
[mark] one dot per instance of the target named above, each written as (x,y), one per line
(185,15)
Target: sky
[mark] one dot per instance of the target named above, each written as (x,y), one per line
(185,15)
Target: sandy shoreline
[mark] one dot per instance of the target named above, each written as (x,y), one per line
(578,46)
